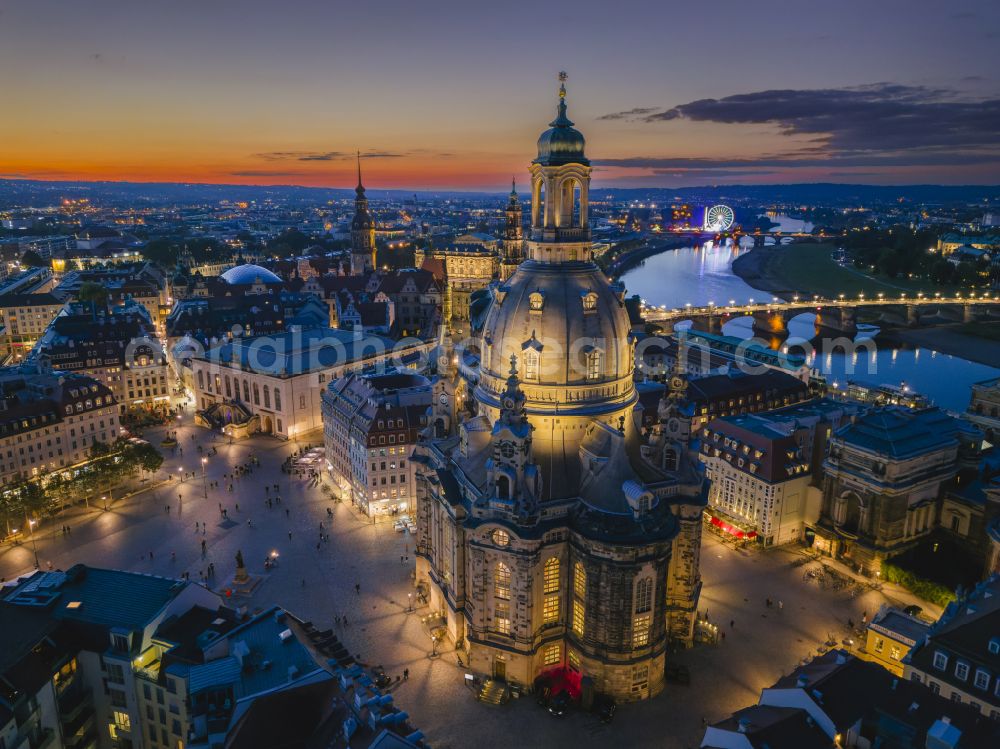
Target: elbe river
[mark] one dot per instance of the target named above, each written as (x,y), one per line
(699,275)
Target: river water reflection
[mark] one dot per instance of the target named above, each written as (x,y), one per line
(700,275)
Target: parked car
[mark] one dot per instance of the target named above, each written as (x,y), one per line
(559,705)
(604,707)
(380,677)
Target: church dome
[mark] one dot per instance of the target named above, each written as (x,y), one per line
(561,143)
(569,329)
(248,275)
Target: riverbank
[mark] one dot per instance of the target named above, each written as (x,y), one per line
(631,258)
(807,269)
(946,339)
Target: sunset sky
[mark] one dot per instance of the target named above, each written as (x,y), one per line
(449,94)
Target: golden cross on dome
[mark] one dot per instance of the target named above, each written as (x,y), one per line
(562,84)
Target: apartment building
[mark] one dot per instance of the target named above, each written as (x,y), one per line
(117,347)
(23,320)
(959,657)
(120,660)
(49,420)
(371,424)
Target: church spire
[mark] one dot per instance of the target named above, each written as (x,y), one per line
(362,231)
(561,119)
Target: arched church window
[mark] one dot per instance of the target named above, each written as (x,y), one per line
(256,395)
(503,487)
(536,300)
(501,582)
(267,396)
(644,595)
(246,391)
(531,365)
(594,365)
(579,581)
(551,576)
(579,600)
(201,379)
(277,399)
(589,301)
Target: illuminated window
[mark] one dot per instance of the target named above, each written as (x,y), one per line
(122,720)
(550,610)
(579,618)
(551,655)
(536,301)
(501,582)
(502,619)
(640,631)
(594,365)
(531,365)
(574,661)
(579,581)
(644,595)
(590,301)
(551,576)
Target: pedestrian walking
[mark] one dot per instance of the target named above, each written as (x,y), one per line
(732,623)
(406,674)
(289,535)
(357,588)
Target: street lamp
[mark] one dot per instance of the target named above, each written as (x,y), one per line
(104,498)
(204,484)
(409,605)
(34,547)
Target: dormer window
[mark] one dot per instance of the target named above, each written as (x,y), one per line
(536,300)
(589,301)
(940,661)
(531,365)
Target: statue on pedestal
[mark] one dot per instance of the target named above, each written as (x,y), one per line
(241,570)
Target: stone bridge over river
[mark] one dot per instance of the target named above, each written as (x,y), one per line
(833,316)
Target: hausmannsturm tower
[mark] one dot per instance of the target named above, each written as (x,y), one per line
(555,539)
(362,232)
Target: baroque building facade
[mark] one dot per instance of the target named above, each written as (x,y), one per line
(554,538)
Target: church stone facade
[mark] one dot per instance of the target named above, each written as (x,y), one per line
(553,534)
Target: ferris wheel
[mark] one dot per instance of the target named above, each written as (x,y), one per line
(719,218)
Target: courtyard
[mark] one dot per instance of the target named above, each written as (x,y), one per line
(160,532)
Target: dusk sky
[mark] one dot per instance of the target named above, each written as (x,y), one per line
(453,94)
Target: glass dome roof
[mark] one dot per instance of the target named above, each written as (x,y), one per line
(249,274)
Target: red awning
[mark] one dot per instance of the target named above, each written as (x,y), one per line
(732,530)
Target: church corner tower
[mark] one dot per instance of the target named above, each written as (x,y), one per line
(362,231)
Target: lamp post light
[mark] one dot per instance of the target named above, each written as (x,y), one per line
(34,547)
(204,483)
(409,605)
(104,499)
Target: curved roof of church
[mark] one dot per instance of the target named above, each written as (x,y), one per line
(249,274)
(561,143)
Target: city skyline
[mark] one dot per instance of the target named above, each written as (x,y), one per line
(447,99)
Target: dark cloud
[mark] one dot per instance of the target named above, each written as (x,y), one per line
(879,124)
(323,155)
(630,114)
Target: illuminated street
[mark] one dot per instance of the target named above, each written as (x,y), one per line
(763,644)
